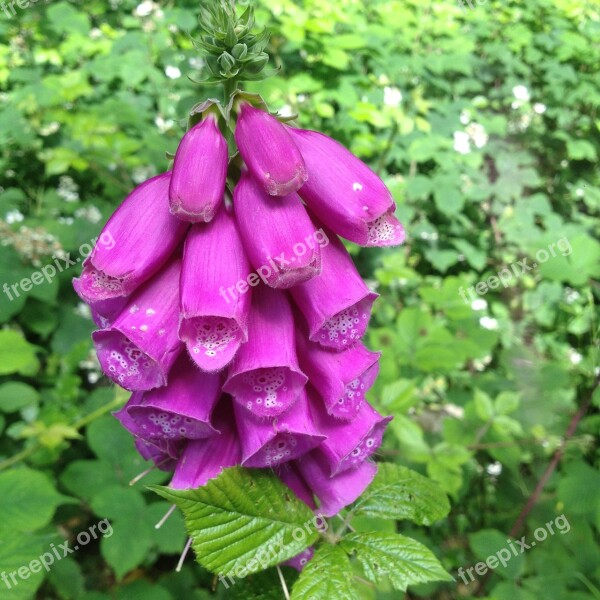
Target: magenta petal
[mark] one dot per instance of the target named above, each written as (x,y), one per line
(288,473)
(278,235)
(335,493)
(336,304)
(214,320)
(139,348)
(267,443)
(104,312)
(348,444)
(181,409)
(345,193)
(341,378)
(299,561)
(264,376)
(199,172)
(135,243)
(269,152)
(205,459)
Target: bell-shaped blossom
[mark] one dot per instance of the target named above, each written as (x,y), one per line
(180,410)
(136,242)
(336,304)
(345,193)
(299,561)
(268,443)
(205,459)
(288,473)
(269,151)
(341,378)
(265,376)
(214,319)
(139,348)
(334,493)
(278,235)
(199,172)
(348,444)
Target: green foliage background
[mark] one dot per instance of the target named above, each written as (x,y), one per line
(93,94)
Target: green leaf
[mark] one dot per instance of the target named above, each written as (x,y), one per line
(15,395)
(128,545)
(401,559)
(17,355)
(28,499)
(328,575)
(400,493)
(243,520)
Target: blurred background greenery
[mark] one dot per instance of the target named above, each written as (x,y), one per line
(484,122)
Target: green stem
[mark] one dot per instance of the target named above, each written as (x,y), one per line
(9,462)
(229,86)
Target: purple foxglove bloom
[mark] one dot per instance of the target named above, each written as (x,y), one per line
(288,474)
(345,193)
(139,348)
(104,312)
(299,561)
(334,493)
(341,378)
(203,460)
(135,243)
(161,458)
(348,444)
(214,320)
(264,376)
(267,443)
(180,410)
(199,172)
(269,152)
(336,304)
(278,235)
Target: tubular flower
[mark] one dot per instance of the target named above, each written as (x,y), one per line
(214,321)
(199,172)
(284,227)
(345,193)
(127,253)
(268,150)
(265,369)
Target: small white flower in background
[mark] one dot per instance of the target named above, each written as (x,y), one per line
(465,117)
(83,310)
(196,62)
(172,72)
(520,92)
(461,142)
(579,193)
(488,323)
(14,216)
(574,356)
(477,134)
(95,33)
(50,128)
(539,108)
(494,469)
(68,190)
(144,9)
(66,220)
(429,236)
(89,213)
(301,98)
(140,174)
(392,96)
(479,304)
(162,124)
(286,111)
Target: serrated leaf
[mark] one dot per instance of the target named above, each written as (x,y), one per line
(401,493)
(243,520)
(326,576)
(400,559)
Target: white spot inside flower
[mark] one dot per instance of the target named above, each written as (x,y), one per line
(461,142)
(539,108)
(520,92)
(172,72)
(143,327)
(134,309)
(14,216)
(150,312)
(392,96)
(494,469)
(161,332)
(357,187)
(479,304)
(488,323)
